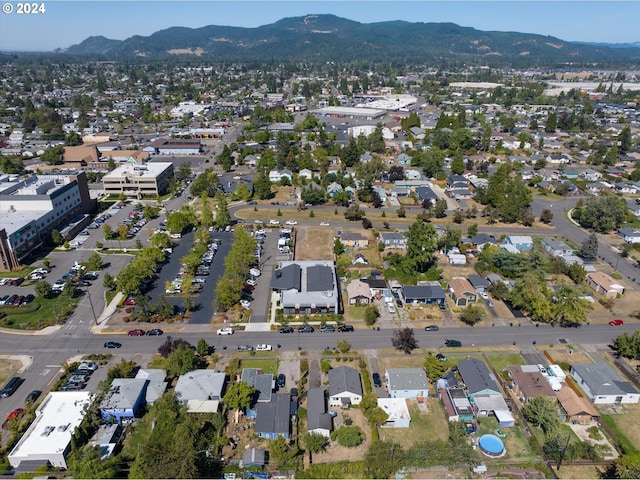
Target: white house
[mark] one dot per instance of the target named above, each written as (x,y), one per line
(630,235)
(603,385)
(407,383)
(200,390)
(345,387)
(397,410)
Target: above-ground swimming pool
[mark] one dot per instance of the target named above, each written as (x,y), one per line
(491,445)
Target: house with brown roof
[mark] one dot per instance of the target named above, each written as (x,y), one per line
(81,156)
(604,284)
(578,410)
(461,291)
(527,382)
(359,293)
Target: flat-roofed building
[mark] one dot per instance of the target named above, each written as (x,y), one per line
(33,206)
(139,181)
(48,438)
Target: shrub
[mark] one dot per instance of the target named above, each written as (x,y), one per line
(348,436)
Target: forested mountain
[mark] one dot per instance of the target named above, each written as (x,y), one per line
(331,38)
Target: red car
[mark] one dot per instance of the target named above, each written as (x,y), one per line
(130,301)
(251,288)
(616,323)
(135,333)
(14,414)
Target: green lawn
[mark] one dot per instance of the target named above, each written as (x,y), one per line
(39,313)
(501,361)
(268,365)
(515,442)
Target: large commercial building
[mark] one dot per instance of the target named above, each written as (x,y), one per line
(139,181)
(33,206)
(47,441)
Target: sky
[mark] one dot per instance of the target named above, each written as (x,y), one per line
(65,23)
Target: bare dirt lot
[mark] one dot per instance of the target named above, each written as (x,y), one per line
(315,243)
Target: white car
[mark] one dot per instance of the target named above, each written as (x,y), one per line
(274,222)
(225,331)
(391,308)
(245,303)
(484,295)
(251,282)
(291,222)
(255,272)
(324,224)
(263,347)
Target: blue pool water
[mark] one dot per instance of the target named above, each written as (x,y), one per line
(491,445)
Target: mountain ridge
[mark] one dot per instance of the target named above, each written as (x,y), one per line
(331,38)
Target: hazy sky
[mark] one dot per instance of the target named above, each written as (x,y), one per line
(66,23)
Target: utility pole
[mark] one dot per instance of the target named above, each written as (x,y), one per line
(95,319)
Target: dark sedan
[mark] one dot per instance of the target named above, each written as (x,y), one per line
(112,345)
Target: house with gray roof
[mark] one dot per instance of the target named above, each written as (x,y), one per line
(393,240)
(307,287)
(318,420)
(629,235)
(345,387)
(556,248)
(477,377)
(602,384)
(426,193)
(273,419)
(157,383)
(200,390)
(407,383)
(481,385)
(423,294)
(479,283)
(124,399)
(262,382)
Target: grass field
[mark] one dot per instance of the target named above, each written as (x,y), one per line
(315,243)
(8,369)
(500,361)
(39,313)
(268,365)
(516,444)
(626,425)
(425,426)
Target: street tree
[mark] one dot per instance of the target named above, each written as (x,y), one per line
(182,360)
(627,345)
(546,216)
(262,186)
(107,231)
(43,289)
(589,248)
(354,213)
(472,314)
(440,208)
(404,340)
(570,308)
(206,214)
(94,262)
(435,367)
(223,217)
(371,314)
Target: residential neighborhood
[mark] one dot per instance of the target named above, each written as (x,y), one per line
(271,270)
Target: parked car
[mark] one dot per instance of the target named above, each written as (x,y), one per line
(441,357)
(282,380)
(263,347)
(136,333)
(88,366)
(391,308)
(245,303)
(16,413)
(377,382)
(225,331)
(324,224)
(112,345)
(251,282)
(245,348)
(67,387)
(616,323)
(328,328)
(33,396)
(78,378)
(452,343)
(154,331)
(291,222)
(431,328)
(306,329)
(286,330)
(345,328)
(28,299)
(129,301)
